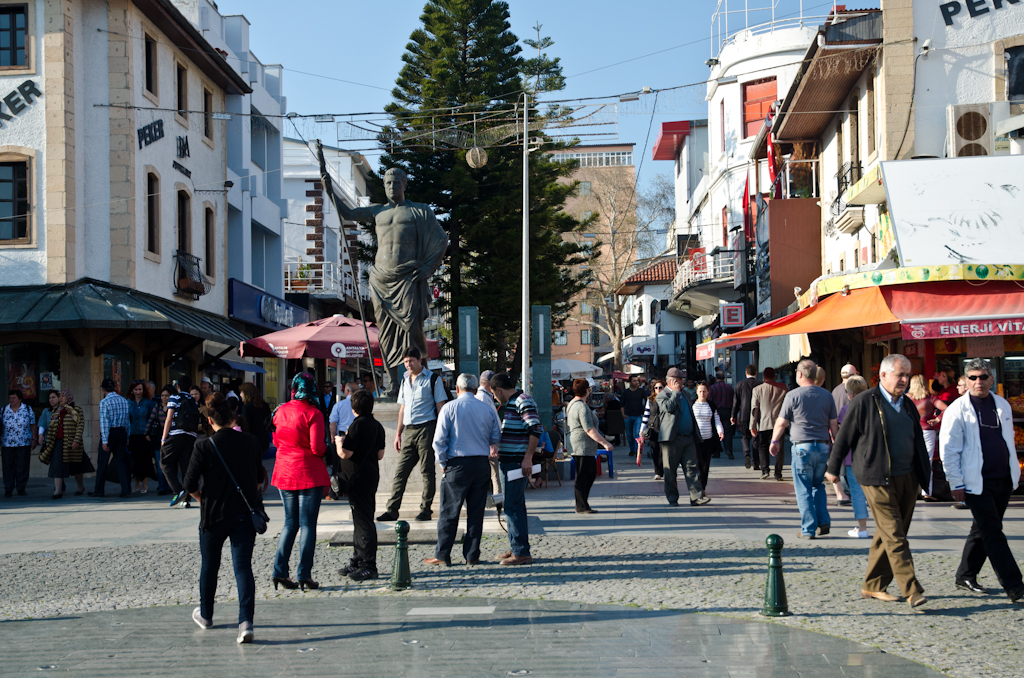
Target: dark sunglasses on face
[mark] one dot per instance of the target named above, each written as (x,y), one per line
(975,377)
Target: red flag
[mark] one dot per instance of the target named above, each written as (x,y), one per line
(773,172)
(746,207)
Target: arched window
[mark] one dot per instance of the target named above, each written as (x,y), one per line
(655,307)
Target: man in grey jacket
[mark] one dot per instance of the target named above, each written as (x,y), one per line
(678,444)
(978,455)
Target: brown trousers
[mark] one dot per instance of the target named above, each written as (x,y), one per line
(892,506)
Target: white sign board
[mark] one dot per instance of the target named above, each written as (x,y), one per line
(957,210)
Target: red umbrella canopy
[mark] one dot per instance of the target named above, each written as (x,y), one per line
(620,375)
(335,337)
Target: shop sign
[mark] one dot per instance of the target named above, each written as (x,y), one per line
(963,328)
(731,315)
(154,131)
(706,351)
(14,102)
(975,8)
(985,347)
(698,261)
(253,305)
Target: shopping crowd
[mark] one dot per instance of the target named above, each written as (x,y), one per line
(881,449)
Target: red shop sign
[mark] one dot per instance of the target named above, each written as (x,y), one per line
(706,351)
(963,328)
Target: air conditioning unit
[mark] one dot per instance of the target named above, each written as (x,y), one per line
(969,129)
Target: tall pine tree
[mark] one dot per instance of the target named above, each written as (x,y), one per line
(463,77)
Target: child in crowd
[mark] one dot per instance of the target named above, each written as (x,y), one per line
(360,451)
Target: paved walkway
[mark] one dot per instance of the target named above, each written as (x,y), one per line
(424,637)
(78,556)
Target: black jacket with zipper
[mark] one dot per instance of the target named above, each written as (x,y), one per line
(863,432)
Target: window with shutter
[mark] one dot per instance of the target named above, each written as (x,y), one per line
(758,97)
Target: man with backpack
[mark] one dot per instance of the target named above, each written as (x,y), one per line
(179,438)
(420,397)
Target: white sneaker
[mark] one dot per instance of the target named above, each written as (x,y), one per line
(858,533)
(245,634)
(197,617)
(657,477)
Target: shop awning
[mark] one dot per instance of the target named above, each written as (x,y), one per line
(925,310)
(88,303)
(244,366)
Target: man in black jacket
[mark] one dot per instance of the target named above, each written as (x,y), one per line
(741,411)
(883,430)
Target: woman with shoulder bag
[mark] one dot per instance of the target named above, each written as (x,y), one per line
(584,437)
(230,466)
(64,451)
(649,426)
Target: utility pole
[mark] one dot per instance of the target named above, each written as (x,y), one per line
(525,341)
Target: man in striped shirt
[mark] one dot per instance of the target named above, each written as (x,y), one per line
(520,432)
(114,423)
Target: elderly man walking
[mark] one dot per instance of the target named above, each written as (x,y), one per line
(114,424)
(520,432)
(882,431)
(723,396)
(765,405)
(466,430)
(839,394)
(810,414)
(977,450)
(678,438)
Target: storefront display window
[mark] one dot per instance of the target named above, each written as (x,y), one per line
(32,368)
(270,381)
(119,365)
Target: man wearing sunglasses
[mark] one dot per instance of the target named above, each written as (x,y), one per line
(977,449)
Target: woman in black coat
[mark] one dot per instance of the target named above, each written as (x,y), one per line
(224,513)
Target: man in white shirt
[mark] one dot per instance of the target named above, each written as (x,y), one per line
(342,415)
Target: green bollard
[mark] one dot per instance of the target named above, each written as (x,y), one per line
(775,603)
(401,577)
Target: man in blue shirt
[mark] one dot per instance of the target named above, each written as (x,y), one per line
(420,398)
(678,444)
(466,431)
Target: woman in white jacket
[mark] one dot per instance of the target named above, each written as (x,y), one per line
(980,460)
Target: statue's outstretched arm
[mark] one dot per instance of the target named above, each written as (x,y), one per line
(336,198)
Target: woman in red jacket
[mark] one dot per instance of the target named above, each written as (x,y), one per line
(301,476)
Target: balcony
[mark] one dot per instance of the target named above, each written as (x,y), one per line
(189,280)
(319,279)
(846,218)
(703,269)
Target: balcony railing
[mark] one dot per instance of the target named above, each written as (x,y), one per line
(189,280)
(705,268)
(324,278)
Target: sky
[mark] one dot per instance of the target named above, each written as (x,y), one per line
(664,43)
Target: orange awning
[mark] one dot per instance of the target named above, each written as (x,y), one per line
(859,308)
(925,310)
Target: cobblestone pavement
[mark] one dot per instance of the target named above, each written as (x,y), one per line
(80,556)
(960,634)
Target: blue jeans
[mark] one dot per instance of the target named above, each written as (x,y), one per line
(515,510)
(632,431)
(301,508)
(161,481)
(857,498)
(809,460)
(211,542)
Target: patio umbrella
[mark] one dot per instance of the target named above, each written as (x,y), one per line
(564,368)
(334,337)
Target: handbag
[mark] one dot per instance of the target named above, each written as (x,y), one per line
(259,518)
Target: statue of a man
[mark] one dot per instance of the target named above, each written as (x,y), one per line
(410,246)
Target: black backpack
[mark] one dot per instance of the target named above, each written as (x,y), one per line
(433,382)
(186,414)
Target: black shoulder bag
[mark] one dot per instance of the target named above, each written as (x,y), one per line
(259,518)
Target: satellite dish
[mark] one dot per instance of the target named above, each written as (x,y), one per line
(476,157)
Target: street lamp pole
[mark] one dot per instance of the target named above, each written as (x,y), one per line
(525,341)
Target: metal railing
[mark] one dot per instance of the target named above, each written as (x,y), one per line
(756,18)
(704,268)
(322,278)
(189,280)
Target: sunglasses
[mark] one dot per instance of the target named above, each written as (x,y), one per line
(658,388)
(975,377)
